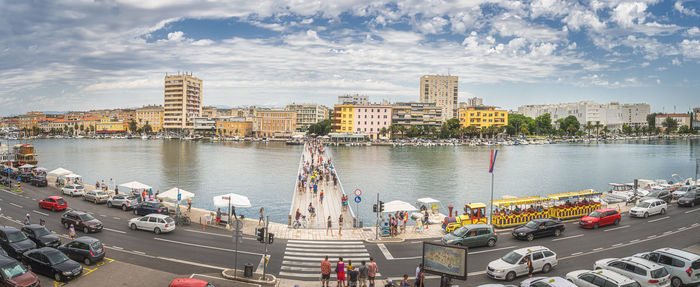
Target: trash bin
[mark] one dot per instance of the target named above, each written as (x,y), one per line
(248,270)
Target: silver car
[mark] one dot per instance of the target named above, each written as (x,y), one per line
(96,196)
(514,263)
(123,201)
(683,266)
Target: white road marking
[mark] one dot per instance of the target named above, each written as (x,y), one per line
(597,249)
(616,228)
(569,237)
(652,236)
(139,252)
(15,204)
(103,215)
(205,246)
(114,230)
(325,242)
(633,241)
(577,253)
(39,212)
(491,250)
(117,247)
(192,263)
(662,218)
(385,251)
(616,245)
(694,210)
(117,218)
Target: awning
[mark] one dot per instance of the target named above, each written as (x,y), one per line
(171,194)
(60,171)
(398,205)
(231,199)
(26,166)
(135,185)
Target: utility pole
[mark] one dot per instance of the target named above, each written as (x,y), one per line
(376,226)
(267,232)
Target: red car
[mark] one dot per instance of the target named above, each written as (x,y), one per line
(600,217)
(190,282)
(54,203)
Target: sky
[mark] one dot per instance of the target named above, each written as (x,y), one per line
(79,55)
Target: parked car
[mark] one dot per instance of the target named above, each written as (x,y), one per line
(189,282)
(472,235)
(546,282)
(25,176)
(649,207)
(539,228)
(53,203)
(52,263)
(678,193)
(85,249)
(600,217)
(123,201)
(645,272)
(156,222)
(683,266)
(96,196)
(73,189)
(81,221)
(14,241)
(13,273)
(664,195)
(148,207)
(596,278)
(41,236)
(39,181)
(690,198)
(513,264)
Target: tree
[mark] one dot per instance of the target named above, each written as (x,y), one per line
(651,119)
(605,130)
(321,128)
(35,130)
(597,127)
(132,126)
(626,129)
(147,129)
(383,132)
(569,124)
(669,125)
(543,124)
(516,123)
(393,130)
(684,130)
(588,127)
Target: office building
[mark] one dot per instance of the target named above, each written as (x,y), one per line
(409,114)
(204,125)
(308,114)
(353,99)
(150,115)
(696,119)
(234,127)
(442,91)
(274,123)
(482,117)
(474,102)
(182,101)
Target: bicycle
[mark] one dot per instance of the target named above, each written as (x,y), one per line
(183,219)
(300,223)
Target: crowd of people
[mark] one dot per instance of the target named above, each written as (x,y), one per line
(364,275)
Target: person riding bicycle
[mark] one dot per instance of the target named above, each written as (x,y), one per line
(312,210)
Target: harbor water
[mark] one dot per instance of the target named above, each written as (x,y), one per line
(265,172)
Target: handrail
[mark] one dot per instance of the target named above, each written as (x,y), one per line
(352,213)
(296,184)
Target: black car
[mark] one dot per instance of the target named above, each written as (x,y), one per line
(85,249)
(148,207)
(39,181)
(81,221)
(690,198)
(41,236)
(539,228)
(52,263)
(15,242)
(26,176)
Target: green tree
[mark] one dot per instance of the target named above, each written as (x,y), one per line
(588,127)
(543,124)
(132,126)
(651,119)
(516,123)
(147,128)
(669,125)
(626,130)
(684,130)
(383,132)
(569,125)
(321,128)
(597,127)
(394,130)
(36,130)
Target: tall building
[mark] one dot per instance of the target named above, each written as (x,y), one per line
(183,101)
(613,115)
(482,117)
(308,114)
(30,120)
(209,112)
(151,115)
(271,123)
(442,91)
(475,102)
(696,119)
(409,114)
(353,99)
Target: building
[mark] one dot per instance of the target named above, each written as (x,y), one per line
(482,117)
(308,114)
(234,127)
(475,102)
(182,101)
(342,118)
(442,91)
(271,123)
(90,123)
(353,99)
(409,114)
(362,119)
(204,125)
(30,120)
(209,112)
(681,119)
(613,115)
(150,115)
(45,124)
(696,118)
(109,125)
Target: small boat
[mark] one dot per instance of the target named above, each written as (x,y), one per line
(144,137)
(433,208)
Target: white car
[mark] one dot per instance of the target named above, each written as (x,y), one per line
(649,207)
(73,190)
(678,193)
(683,266)
(513,264)
(647,273)
(156,222)
(596,278)
(546,282)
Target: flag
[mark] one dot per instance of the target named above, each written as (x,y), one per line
(492,161)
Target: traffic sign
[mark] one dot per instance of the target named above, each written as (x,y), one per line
(358,199)
(179,196)
(358,192)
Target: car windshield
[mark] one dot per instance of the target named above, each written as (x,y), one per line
(595,214)
(160,205)
(654,193)
(79,187)
(86,217)
(532,225)
(56,257)
(169,220)
(100,193)
(60,201)
(41,231)
(512,257)
(460,231)
(96,246)
(13,270)
(658,273)
(643,204)
(16,237)
(689,194)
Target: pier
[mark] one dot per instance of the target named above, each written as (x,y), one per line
(331,205)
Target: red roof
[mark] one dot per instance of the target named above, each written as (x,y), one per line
(91,119)
(61,121)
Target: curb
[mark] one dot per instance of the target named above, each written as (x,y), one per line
(271,279)
(392,240)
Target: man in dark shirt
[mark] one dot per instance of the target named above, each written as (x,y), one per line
(352,276)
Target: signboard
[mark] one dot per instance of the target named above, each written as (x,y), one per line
(445,260)
(358,199)
(358,192)
(179,196)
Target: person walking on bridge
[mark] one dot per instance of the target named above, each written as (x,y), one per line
(340,225)
(330,225)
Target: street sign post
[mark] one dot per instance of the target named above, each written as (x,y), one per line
(358,199)
(237,234)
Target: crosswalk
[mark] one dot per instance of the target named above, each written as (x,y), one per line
(302,258)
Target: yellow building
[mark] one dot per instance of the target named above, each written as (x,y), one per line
(274,123)
(108,125)
(30,120)
(151,115)
(343,118)
(482,117)
(232,127)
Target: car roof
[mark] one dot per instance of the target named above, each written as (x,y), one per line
(680,253)
(531,249)
(55,197)
(33,226)
(188,282)
(43,250)
(641,262)
(77,212)
(86,239)
(605,209)
(158,215)
(553,281)
(612,275)
(470,226)
(652,200)
(8,229)
(6,259)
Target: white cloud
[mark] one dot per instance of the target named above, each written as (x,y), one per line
(629,13)
(690,48)
(693,31)
(176,36)
(433,26)
(683,10)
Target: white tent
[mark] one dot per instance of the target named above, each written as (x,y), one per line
(60,171)
(26,166)
(71,176)
(135,185)
(427,200)
(231,199)
(171,194)
(398,205)
(40,169)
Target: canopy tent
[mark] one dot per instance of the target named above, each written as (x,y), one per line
(518,201)
(171,194)
(231,199)
(26,166)
(398,205)
(135,185)
(298,136)
(574,195)
(71,176)
(60,171)
(40,169)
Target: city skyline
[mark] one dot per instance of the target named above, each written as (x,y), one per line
(77,56)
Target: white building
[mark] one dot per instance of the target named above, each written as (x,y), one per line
(353,99)
(612,115)
(443,91)
(204,124)
(308,114)
(475,102)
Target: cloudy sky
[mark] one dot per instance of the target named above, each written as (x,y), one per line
(69,55)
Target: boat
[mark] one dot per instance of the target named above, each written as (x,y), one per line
(144,137)
(433,207)
(24,154)
(623,192)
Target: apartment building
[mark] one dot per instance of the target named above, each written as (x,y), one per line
(182,101)
(150,115)
(353,99)
(362,119)
(209,112)
(681,119)
(696,119)
(274,123)
(409,114)
(234,127)
(109,125)
(613,115)
(474,102)
(442,91)
(30,120)
(308,114)
(482,117)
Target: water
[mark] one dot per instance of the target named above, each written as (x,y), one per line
(265,172)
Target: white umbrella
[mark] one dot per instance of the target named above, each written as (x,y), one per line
(40,169)
(231,199)
(60,171)
(26,166)
(171,194)
(135,185)
(398,205)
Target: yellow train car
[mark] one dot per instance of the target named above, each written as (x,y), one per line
(474,213)
(517,211)
(573,204)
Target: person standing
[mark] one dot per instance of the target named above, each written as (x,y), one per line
(371,271)
(405,282)
(26,219)
(116,190)
(340,225)
(325,272)
(218,216)
(261,218)
(363,274)
(529,266)
(340,272)
(189,204)
(71,232)
(352,276)
(330,226)
(419,275)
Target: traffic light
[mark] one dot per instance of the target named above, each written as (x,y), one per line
(374,208)
(260,232)
(381,206)
(270,238)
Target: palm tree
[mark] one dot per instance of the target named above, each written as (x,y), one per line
(394,129)
(588,128)
(597,127)
(605,130)
(383,132)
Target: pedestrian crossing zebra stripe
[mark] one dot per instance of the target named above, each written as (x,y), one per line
(335,242)
(326,246)
(319,259)
(316,275)
(302,258)
(328,254)
(328,250)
